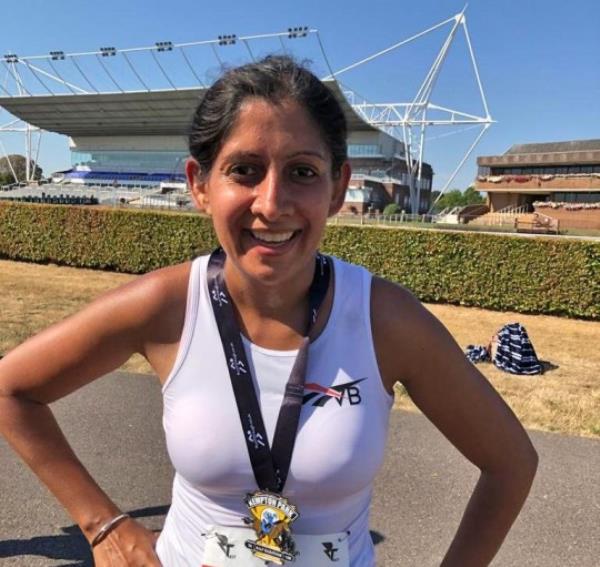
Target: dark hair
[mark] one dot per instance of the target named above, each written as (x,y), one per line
(275,78)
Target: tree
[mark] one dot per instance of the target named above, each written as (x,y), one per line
(392,209)
(19,165)
(472,196)
(458,198)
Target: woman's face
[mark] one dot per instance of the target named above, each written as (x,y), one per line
(270,191)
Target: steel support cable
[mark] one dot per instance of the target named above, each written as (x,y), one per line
(459,131)
(282,45)
(108,73)
(6,78)
(485,106)
(162,70)
(8,124)
(212,45)
(6,90)
(55,71)
(392,47)
(134,71)
(59,79)
(74,61)
(426,87)
(16,78)
(191,68)
(34,73)
(332,74)
(451,178)
(249,50)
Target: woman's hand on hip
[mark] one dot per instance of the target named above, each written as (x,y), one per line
(128,544)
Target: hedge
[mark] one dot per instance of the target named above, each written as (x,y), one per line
(527,275)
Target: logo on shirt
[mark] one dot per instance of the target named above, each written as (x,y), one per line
(224,544)
(330,551)
(320,395)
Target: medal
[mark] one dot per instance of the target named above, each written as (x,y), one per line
(271,514)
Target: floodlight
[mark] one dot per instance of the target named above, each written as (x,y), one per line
(11,58)
(108,51)
(164,46)
(227,39)
(57,55)
(299,31)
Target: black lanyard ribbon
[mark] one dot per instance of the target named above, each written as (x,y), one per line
(270,465)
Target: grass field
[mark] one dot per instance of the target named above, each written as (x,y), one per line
(565,399)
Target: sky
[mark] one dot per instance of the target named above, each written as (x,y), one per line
(539,60)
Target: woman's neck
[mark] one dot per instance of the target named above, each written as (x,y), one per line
(273,316)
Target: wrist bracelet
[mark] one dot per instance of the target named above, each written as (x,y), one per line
(107,528)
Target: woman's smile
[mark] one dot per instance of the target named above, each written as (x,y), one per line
(270,191)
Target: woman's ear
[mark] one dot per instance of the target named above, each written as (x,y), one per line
(340,185)
(197,185)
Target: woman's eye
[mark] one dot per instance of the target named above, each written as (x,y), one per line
(304,172)
(243,170)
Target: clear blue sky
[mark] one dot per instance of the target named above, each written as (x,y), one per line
(539,59)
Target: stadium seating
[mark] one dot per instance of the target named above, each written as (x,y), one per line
(118,177)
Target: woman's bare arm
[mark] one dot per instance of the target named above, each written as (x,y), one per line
(413,347)
(65,357)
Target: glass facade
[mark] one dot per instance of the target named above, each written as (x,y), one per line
(540,170)
(364,150)
(131,161)
(575,197)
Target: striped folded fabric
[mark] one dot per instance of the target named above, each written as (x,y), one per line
(477,353)
(515,353)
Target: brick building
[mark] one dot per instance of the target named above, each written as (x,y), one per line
(379,174)
(559,179)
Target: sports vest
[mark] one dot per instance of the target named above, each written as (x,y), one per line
(341,436)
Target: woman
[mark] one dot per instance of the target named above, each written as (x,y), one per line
(259,475)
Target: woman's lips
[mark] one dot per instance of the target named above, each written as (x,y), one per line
(272,241)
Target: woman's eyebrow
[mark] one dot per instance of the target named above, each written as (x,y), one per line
(240,155)
(313,153)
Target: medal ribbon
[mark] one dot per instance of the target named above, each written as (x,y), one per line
(270,465)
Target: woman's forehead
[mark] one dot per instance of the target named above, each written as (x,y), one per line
(286,124)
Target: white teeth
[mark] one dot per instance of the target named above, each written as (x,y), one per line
(272,236)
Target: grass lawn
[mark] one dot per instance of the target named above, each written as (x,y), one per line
(565,399)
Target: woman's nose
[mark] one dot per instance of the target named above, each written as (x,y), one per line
(272,197)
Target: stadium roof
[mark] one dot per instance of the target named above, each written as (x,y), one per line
(167,112)
(553,147)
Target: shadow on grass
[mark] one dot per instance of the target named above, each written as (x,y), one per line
(548,366)
(69,546)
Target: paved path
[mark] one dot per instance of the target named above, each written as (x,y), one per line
(114,425)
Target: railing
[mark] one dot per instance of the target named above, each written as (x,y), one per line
(512,210)
(381,219)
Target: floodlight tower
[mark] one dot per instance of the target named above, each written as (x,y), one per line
(408,121)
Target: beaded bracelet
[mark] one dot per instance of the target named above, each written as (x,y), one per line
(107,528)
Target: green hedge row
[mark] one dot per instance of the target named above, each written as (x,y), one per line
(528,275)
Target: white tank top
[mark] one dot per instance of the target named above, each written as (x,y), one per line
(340,442)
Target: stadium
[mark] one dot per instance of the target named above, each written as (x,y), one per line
(128,144)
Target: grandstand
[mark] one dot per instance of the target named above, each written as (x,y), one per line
(129,145)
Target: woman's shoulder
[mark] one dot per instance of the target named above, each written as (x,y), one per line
(162,294)
(402,327)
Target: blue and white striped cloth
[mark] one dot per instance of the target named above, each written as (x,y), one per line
(477,353)
(515,353)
